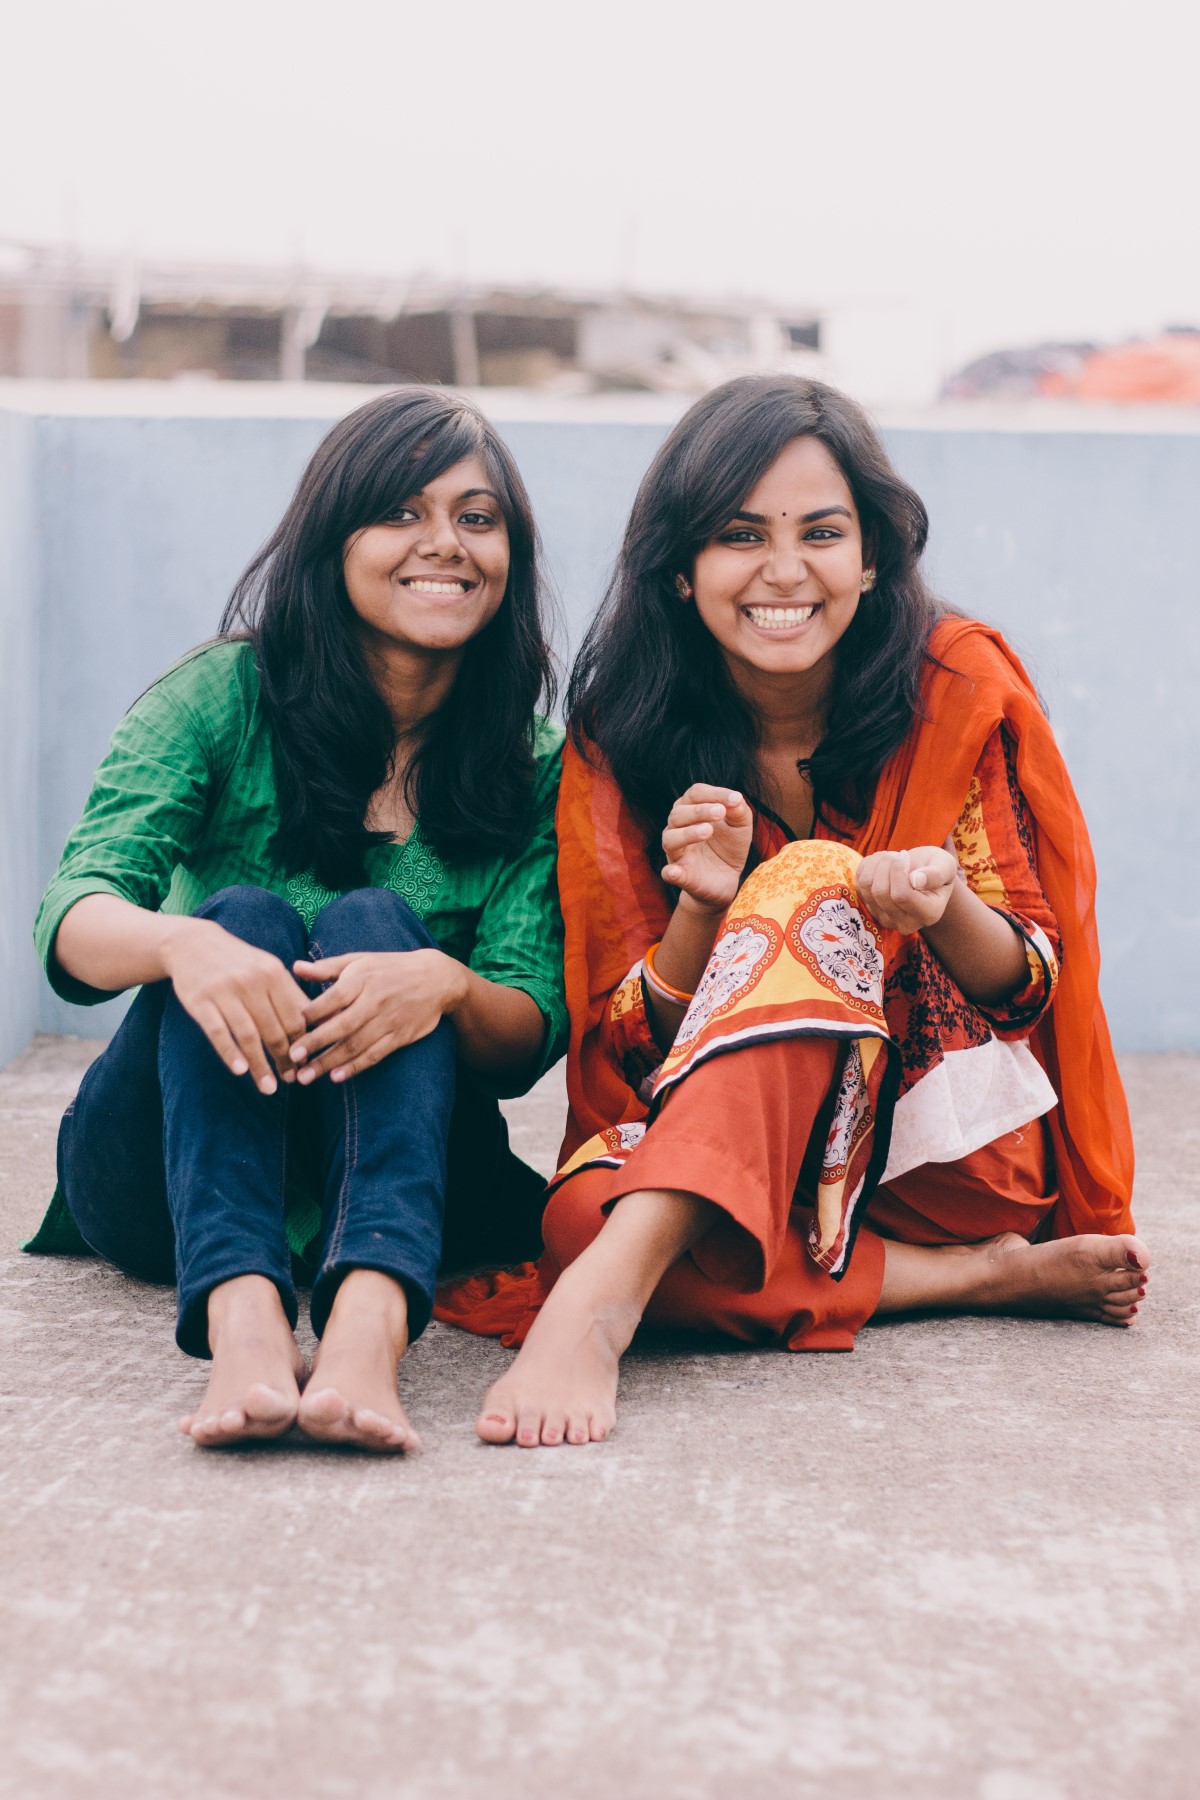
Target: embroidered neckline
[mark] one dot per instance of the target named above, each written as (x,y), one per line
(413,869)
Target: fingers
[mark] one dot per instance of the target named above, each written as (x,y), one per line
(335,1030)
(336,998)
(688,813)
(221,1038)
(362,1050)
(677,838)
(702,793)
(248,1039)
(327,969)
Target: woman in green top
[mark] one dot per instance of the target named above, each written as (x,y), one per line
(324,847)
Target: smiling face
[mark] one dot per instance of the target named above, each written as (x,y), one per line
(779,585)
(432,577)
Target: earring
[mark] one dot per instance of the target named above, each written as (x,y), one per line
(683,587)
(868,580)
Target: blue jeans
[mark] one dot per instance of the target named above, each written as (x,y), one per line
(171,1165)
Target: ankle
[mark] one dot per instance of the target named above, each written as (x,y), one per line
(370,1304)
(247,1306)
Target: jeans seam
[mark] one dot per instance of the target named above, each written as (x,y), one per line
(350,1109)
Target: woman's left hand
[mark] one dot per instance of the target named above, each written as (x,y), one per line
(378,1002)
(907,890)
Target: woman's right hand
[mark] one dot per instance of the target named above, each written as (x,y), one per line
(706,843)
(247,1004)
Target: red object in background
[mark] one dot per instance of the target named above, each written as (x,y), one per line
(1165,370)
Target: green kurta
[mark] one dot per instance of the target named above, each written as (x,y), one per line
(185,804)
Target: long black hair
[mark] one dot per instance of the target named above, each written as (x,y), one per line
(470,778)
(650,688)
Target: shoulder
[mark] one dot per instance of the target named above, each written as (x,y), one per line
(548,758)
(969,647)
(212,692)
(224,671)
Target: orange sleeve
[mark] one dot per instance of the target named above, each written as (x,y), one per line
(994,840)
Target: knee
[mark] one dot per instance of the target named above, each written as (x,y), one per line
(368,919)
(797,870)
(259,917)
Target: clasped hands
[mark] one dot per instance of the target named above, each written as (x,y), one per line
(707,840)
(260,1022)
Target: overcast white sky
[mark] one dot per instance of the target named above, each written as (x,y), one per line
(1012,171)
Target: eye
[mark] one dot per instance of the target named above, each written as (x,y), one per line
(403,516)
(740,534)
(476,518)
(821,532)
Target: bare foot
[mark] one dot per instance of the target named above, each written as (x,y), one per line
(351,1397)
(1090,1277)
(563,1385)
(257,1368)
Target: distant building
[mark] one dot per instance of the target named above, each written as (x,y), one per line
(84,317)
(1163,370)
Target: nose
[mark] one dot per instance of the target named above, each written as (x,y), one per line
(439,540)
(785,569)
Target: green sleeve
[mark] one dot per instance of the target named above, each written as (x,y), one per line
(519,938)
(144,815)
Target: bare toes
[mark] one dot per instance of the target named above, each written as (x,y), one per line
(529,1427)
(496,1426)
(554,1427)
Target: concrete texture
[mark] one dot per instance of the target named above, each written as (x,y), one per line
(160,496)
(960,1564)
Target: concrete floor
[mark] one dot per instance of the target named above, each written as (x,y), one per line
(962,1562)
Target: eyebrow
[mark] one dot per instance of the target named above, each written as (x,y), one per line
(474,493)
(822,512)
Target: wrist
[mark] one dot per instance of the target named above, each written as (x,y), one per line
(707,911)
(175,930)
(457,984)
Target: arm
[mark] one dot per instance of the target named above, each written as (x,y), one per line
(99,928)
(978,900)
(380,1000)
(242,998)
(706,843)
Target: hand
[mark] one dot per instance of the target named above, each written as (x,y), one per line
(242,998)
(907,890)
(706,843)
(377,1002)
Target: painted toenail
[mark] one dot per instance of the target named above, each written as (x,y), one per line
(1132,1260)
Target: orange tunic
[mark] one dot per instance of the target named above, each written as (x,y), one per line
(979,707)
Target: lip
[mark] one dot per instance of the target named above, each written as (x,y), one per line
(785,631)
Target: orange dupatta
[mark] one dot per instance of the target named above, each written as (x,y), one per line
(614,905)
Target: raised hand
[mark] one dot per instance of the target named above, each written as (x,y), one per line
(706,843)
(376,1002)
(243,999)
(907,890)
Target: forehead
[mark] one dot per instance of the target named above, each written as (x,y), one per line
(460,478)
(803,477)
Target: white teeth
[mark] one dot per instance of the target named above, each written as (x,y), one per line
(779,618)
(437,587)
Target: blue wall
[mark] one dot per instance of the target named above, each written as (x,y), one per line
(120,538)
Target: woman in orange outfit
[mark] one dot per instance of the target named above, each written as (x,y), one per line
(837,1047)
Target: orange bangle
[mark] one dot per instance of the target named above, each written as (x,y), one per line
(663,988)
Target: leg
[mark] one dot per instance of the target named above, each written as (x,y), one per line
(110,1149)
(715,1174)
(1091,1277)
(224,1146)
(384,1136)
(964,1233)
(494,1201)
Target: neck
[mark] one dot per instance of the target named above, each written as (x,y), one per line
(414,683)
(792,709)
